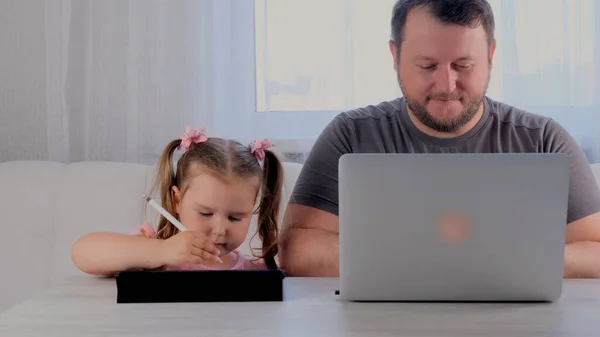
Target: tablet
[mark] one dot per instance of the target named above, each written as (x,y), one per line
(160,286)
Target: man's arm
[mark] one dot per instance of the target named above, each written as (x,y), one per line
(582,250)
(309,239)
(310,243)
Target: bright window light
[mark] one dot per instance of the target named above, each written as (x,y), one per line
(323,55)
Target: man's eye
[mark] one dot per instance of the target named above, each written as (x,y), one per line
(427,67)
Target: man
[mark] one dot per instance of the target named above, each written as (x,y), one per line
(443,52)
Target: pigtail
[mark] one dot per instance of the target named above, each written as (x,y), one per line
(268,213)
(165,180)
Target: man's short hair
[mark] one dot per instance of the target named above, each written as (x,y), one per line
(468,13)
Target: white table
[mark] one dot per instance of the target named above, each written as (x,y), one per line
(86,306)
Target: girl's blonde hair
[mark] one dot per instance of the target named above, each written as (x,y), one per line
(224,159)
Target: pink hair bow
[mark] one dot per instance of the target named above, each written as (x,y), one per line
(192,136)
(258,148)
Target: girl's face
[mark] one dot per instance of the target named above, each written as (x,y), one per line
(221,209)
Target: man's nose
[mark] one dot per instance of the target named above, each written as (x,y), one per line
(446,79)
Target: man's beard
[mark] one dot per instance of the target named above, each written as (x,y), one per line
(471,105)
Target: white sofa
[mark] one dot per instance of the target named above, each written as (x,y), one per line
(46,206)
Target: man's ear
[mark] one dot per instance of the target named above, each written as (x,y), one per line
(176,196)
(394,51)
(492,51)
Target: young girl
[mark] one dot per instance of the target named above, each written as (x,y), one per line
(213,192)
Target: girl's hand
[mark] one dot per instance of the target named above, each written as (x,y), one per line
(188,247)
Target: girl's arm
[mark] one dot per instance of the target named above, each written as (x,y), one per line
(108,253)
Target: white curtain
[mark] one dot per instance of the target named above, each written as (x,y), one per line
(125,77)
(547,60)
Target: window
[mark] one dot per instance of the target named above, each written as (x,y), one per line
(316,55)
(284,69)
(310,61)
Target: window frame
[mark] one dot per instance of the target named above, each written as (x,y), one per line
(234,83)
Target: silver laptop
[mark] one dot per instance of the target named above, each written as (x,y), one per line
(452,227)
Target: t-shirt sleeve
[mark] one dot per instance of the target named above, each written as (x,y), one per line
(584,194)
(145,230)
(251,263)
(317,183)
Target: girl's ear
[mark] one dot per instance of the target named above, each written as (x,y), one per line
(176,196)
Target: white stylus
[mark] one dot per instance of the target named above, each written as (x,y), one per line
(164,213)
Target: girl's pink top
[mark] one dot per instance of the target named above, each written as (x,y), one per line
(243,262)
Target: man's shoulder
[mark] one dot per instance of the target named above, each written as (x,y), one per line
(365,119)
(382,110)
(510,116)
(528,126)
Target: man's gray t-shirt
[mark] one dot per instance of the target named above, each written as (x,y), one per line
(387,128)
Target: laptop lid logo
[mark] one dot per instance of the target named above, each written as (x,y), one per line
(454,227)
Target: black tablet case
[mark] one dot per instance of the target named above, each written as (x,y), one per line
(162,286)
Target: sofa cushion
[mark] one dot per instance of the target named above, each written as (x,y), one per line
(596,171)
(291,172)
(28,200)
(95,196)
